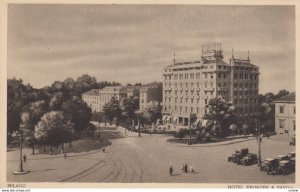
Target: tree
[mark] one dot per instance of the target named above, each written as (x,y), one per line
(112,109)
(78,112)
(153,112)
(233,128)
(220,113)
(129,106)
(281,93)
(53,129)
(31,115)
(18,95)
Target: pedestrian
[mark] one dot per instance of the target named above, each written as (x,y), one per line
(65,155)
(183,167)
(103,150)
(150,133)
(171,170)
(186,168)
(191,169)
(24,158)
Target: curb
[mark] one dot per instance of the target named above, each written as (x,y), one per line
(59,155)
(208,145)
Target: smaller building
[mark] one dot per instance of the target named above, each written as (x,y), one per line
(150,93)
(285,113)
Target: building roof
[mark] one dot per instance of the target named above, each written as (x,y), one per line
(150,85)
(92,92)
(113,89)
(290,98)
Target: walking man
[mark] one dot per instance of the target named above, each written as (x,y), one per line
(24,158)
(171,170)
(186,168)
(65,155)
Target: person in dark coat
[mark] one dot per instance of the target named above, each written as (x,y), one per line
(24,158)
(186,168)
(171,170)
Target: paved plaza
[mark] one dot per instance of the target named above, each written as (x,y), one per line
(146,159)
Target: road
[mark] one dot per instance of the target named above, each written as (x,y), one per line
(146,159)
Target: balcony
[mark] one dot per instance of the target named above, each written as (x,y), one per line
(209,89)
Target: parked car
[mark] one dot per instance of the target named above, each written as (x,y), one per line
(282,157)
(238,155)
(284,167)
(249,159)
(291,155)
(293,141)
(293,161)
(270,165)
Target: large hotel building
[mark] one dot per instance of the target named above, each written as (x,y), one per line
(188,87)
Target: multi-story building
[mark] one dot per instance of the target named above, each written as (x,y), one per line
(149,94)
(97,98)
(285,112)
(133,91)
(91,98)
(188,87)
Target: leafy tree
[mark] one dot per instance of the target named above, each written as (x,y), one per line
(112,109)
(78,112)
(56,101)
(31,115)
(153,112)
(221,113)
(281,93)
(129,106)
(53,129)
(18,95)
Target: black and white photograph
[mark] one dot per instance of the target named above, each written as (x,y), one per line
(150,93)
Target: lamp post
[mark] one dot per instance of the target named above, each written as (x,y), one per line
(259,143)
(21,170)
(189,125)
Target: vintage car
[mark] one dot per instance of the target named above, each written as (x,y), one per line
(238,155)
(293,141)
(284,167)
(291,155)
(249,159)
(270,165)
(293,161)
(282,157)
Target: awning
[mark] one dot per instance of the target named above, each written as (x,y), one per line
(175,118)
(197,121)
(165,117)
(204,122)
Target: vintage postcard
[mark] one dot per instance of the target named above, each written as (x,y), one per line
(181,94)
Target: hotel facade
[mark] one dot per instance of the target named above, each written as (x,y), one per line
(188,87)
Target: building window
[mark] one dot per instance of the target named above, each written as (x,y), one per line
(205,101)
(294,110)
(281,123)
(281,109)
(294,125)
(219,75)
(211,76)
(224,75)
(235,75)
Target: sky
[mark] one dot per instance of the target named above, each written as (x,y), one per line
(133,43)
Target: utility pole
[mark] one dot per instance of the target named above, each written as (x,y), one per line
(259,143)
(189,125)
(21,170)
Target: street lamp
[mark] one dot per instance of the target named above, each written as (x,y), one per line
(189,125)
(259,142)
(21,171)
